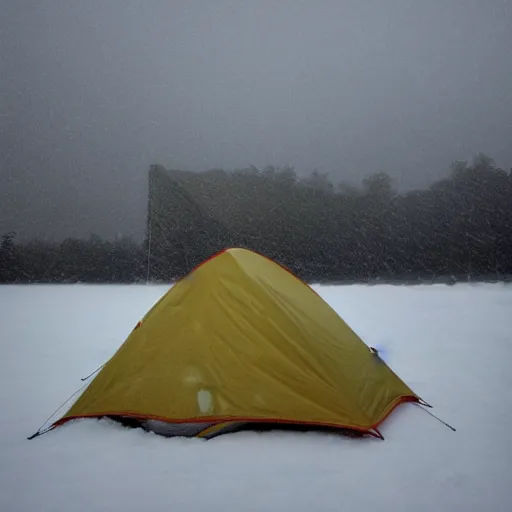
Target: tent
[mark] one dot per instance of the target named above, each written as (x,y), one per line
(241,340)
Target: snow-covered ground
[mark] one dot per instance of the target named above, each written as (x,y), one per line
(453,345)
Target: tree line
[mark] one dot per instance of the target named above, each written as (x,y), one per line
(92,260)
(458,228)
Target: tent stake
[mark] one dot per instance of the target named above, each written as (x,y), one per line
(426,404)
(438,419)
(40,433)
(40,430)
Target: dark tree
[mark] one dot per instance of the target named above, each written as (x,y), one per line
(458,228)
(9,259)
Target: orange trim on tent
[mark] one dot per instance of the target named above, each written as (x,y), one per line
(373,431)
(219,253)
(212,419)
(393,406)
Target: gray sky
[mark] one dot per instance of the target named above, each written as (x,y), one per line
(93,92)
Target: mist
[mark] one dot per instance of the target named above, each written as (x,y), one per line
(93,93)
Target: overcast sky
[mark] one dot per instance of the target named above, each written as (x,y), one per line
(93,92)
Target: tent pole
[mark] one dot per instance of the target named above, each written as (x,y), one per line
(149,254)
(149,221)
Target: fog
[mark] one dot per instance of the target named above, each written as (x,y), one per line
(93,93)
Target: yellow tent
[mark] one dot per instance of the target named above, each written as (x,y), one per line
(241,340)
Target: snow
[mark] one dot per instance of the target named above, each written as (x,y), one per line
(451,344)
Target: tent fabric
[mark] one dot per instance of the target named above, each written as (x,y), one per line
(241,339)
